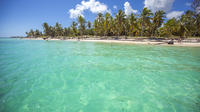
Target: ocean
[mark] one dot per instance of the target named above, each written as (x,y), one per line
(75,76)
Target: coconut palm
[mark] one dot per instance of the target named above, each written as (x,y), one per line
(46,28)
(74,31)
(95,27)
(113,29)
(58,30)
(171,27)
(89,25)
(52,31)
(158,20)
(145,22)
(187,22)
(119,22)
(99,25)
(134,28)
(66,31)
(196,10)
(30,33)
(37,33)
(81,26)
(196,6)
(197,25)
(89,28)
(107,26)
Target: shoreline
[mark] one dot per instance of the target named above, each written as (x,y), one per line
(142,42)
(185,42)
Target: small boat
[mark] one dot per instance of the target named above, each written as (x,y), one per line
(171,41)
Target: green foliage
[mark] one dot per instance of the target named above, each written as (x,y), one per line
(74,30)
(171,27)
(46,28)
(120,23)
(89,29)
(106,26)
(81,26)
(99,25)
(157,22)
(145,24)
(58,30)
(132,25)
(34,34)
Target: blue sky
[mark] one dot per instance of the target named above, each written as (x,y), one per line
(19,16)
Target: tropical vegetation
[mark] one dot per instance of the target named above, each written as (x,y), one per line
(145,24)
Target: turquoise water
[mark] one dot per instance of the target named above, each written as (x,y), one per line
(61,76)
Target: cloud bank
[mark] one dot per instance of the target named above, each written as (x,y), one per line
(91,5)
(156,5)
(98,7)
(128,9)
(174,14)
(165,5)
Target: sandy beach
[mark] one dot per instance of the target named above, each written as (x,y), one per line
(186,42)
(189,43)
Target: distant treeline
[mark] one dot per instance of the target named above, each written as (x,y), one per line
(146,24)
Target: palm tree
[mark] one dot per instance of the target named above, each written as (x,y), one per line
(133,30)
(126,26)
(113,29)
(196,10)
(37,33)
(46,28)
(89,25)
(89,30)
(107,24)
(171,27)
(195,6)
(74,28)
(66,31)
(99,25)
(95,27)
(197,25)
(187,22)
(30,33)
(58,29)
(81,26)
(52,31)
(158,20)
(120,21)
(145,22)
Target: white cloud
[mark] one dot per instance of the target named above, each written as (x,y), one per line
(92,5)
(128,9)
(74,13)
(188,4)
(174,14)
(198,10)
(115,7)
(156,5)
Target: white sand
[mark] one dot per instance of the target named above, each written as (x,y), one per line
(146,42)
(132,41)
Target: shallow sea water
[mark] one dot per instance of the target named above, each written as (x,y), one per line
(62,76)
